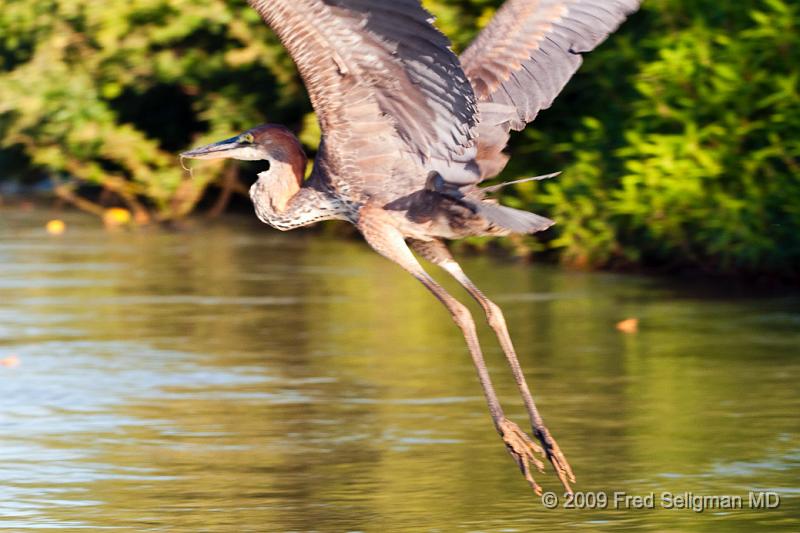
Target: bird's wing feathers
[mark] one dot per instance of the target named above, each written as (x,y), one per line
(525,56)
(383,81)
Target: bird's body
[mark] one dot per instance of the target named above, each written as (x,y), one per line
(285,200)
(409,130)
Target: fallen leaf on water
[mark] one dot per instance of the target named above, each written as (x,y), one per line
(56,227)
(12,361)
(116,216)
(629,325)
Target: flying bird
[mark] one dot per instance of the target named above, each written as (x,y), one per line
(409,130)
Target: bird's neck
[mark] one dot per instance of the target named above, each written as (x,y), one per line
(281,201)
(284,202)
(280,184)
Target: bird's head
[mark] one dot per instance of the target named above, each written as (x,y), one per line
(267,142)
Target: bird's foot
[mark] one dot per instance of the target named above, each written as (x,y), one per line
(523,450)
(556,458)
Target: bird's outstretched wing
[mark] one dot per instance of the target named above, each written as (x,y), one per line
(384,84)
(525,56)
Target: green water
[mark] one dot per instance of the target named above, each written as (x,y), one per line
(233,378)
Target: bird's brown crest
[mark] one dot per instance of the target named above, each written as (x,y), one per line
(283,145)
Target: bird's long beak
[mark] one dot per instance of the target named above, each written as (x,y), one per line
(229,148)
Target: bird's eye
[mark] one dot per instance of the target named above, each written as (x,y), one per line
(246,138)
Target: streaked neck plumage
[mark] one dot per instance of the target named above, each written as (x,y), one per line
(274,191)
(281,197)
(276,187)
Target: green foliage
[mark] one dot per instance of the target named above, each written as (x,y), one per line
(697,167)
(107,93)
(679,138)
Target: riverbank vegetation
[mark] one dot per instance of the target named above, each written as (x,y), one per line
(679,139)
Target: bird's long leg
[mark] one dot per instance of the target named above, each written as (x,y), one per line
(390,243)
(437,253)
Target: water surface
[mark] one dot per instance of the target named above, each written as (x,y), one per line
(233,378)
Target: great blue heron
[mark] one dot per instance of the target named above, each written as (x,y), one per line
(408,131)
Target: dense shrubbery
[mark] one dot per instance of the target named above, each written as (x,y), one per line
(679,139)
(685,147)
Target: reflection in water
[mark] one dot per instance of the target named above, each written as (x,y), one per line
(234,378)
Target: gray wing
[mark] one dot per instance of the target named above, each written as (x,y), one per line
(523,59)
(385,86)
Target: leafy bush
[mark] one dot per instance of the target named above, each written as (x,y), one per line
(684,147)
(107,93)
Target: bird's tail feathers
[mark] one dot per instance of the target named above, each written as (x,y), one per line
(514,220)
(508,218)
